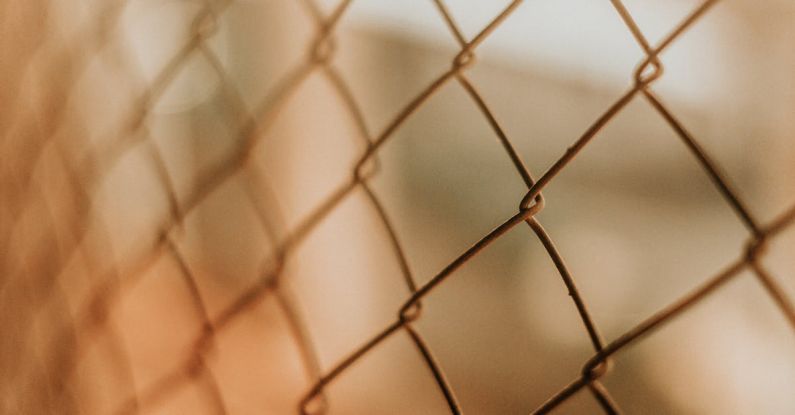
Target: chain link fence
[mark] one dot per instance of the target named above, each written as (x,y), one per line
(55,164)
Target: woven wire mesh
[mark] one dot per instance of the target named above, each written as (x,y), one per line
(34,267)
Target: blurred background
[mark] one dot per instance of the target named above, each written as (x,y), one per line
(100,149)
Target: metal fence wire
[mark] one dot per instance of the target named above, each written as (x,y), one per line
(31,270)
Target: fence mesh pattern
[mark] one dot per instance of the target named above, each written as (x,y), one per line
(34,266)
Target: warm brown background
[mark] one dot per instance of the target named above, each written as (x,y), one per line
(635,217)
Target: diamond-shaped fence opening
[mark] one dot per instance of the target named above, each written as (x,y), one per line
(179,239)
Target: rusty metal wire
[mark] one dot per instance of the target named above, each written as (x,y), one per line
(251,125)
